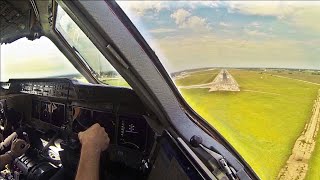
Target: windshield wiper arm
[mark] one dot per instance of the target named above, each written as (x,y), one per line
(196,142)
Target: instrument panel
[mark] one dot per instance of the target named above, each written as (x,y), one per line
(133,132)
(126,130)
(65,107)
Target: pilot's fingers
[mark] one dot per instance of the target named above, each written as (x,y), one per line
(11,138)
(105,144)
(16,141)
(108,140)
(104,132)
(95,126)
(20,143)
(80,135)
(14,138)
(28,146)
(19,147)
(106,135)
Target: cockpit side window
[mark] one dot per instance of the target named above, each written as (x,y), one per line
(87,51)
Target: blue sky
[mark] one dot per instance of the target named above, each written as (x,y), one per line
(188,35)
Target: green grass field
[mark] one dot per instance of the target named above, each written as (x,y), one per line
(197,78)
(115,82)
(303,75)
(314,164)
(263,120)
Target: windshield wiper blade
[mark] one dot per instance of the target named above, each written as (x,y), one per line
(84,61)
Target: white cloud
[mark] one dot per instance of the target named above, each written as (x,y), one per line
(224,24)
(162,30)
(180,16)
(184,19)
(265,8)
(195,4)
(140,7)
(294,12)
(307,18)
(303,14)
(254,24)
(195,22)
(257,33)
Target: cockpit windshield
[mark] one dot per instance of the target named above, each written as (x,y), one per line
(250,69)
(35,59)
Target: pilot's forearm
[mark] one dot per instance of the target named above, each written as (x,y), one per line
(89,163)
(4,160)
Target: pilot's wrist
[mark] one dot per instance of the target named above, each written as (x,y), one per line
(90,148)
(11,154)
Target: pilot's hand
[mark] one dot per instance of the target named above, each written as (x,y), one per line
(19,147)
(94,138)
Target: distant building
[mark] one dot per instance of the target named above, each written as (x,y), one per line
(224,82)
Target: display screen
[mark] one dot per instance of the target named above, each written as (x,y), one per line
(108,121)
(49,112)
(173,161)
(45,109)
(2,115)
(57,114)
(83,117)
(132,132)
(36,109)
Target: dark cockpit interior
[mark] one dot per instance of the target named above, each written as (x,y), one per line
(51,112)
